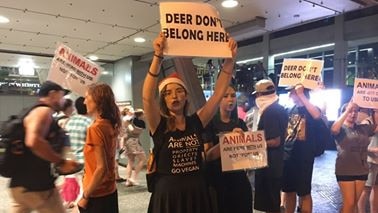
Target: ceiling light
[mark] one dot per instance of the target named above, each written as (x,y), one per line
(4,19)
(105,73)
(305,49)
(26,67)
(250,60)
(93,57)
(139,39)
(230,3)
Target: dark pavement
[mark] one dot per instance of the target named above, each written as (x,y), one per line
(325,191)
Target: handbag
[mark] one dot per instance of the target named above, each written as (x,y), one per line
(151,173)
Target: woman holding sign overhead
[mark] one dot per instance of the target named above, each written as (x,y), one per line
(180,186)
(233,189)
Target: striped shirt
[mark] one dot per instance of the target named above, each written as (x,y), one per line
(76,128)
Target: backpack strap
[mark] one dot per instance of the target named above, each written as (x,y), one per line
(28,110)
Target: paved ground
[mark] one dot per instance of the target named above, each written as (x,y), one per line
(134,199)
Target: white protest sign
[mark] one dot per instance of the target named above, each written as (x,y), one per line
(365,93)
(243,152)
(73,71)
(307,72)
(193,29)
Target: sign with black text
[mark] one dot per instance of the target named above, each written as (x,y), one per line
(73,71)
(193,29)
(243,151)
(307,72)
(365,93)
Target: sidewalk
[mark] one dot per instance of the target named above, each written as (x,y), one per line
(325,191)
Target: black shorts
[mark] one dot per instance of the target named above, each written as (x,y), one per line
(267,192)
(297,176)
(351,177)
(107,203)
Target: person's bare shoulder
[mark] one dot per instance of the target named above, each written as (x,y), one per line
(39,114)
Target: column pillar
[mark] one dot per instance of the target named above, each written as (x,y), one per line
(340,65)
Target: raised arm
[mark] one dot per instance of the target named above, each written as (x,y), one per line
(336,126)
(150,104)
(209,109)
(313,110)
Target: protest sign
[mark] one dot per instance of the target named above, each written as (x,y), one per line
(246,151)
(193,29)
(73,71)
(307,72)
(365,93)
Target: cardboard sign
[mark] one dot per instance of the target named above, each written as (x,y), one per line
(73,71)
(307,72)
(246,151)
(193,29)
(365,93)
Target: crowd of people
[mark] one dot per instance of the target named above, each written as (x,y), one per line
(189,175)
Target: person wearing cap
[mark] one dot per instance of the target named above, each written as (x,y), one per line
(181,185)
(233,189)
(134,149)
(273,120)
(305,119)
(33,187)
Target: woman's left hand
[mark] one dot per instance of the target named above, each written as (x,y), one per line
(233,45)
(238,130)
(83,203)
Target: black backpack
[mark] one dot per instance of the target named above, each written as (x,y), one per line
(323,137)
(12,145)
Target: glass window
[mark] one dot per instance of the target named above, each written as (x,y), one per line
(350,76)
(316,55)
(328,78)
(328,61)
(352,57)
(299,56)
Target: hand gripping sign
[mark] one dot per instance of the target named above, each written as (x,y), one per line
(307,72)
(243,151)
(73,71)
(365,93)
(193,29)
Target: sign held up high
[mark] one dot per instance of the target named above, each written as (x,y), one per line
(307,72)
(72,70)
(193,29)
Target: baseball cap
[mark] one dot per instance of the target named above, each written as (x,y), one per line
(173,78)
(48,86)
(264,87)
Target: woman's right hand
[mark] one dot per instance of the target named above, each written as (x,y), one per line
(158,44)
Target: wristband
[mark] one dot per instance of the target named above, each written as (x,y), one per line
(153,75)
(226,72)
(161,57)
